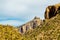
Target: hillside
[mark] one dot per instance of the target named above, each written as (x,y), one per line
(8,32)
(50,30)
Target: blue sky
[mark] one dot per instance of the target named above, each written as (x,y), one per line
(18,12)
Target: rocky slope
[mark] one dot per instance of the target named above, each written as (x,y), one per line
(30,25)
(50,29)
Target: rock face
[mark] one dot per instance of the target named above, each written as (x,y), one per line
(30,25)
(51,11)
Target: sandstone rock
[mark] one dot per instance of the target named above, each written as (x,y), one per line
(52,11)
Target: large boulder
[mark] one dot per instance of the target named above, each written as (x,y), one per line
(52,11)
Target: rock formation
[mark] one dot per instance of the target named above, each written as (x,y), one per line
(30,25)
(51,11)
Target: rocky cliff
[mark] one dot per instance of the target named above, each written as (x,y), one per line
(51,11)
(30,25)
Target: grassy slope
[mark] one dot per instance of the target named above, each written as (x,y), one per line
(50,30)
(9,33)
